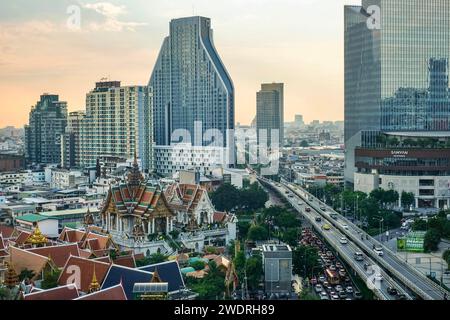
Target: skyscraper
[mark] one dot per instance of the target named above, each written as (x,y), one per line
(270,111)
(71,140)
(396,92)
(118,122)
(190,83)
(47,122)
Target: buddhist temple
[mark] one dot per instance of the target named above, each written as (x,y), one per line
(37,238)
(135,210)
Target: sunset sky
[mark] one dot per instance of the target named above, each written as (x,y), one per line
(298,42)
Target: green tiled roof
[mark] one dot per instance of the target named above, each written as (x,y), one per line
(32,218)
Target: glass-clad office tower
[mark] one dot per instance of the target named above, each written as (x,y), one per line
(396,71)
(190,83)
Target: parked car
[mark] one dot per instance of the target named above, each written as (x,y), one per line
(349,290)
(318,288)
(342,295)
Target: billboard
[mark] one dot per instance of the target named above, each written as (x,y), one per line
(412,242)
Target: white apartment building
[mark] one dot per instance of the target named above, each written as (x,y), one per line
(171,159)
(27,177)
(118,122)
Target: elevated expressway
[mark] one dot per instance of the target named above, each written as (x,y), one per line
(398,270)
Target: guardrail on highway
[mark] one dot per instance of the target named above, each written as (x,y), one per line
(422,293)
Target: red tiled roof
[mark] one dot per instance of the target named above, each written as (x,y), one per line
(219,217)
(6,231)
(58,254)
(22,259)
(22,238)
(84,269)
(126,261)
(112,293)
(68,292)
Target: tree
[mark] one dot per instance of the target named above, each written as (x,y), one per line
(152,259)
(304,144)
(432,240)
(26,274)
(257,233)
(254,197)
(408,199)
(198,265)
(305,260)
(287,220)
(254,271)
(419,225)
(446,257)
(239,263)
(290,236)
(212,286)
(243,227)
(50,279)
(226,197)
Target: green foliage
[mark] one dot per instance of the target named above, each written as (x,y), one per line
(50,279)
(419,225)
(257,233)
(26,274)
(227,197)
(432,240)
(446,257)
(254,272)
(152,259)
(211,287)
(304,144)
(253,198)
(198,265)
(408,199)
(290,236)
(305,260)
(308,295)
(243,227)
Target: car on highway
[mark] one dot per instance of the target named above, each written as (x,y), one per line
(318,288)
(342,295)
(357,294)
(343,240)
(358,256)
(300,203)
(334,296)
(326,227)
(345,226)
(318,219)
(379,250)
(378,277)
(323,208)
(308,209)
(349,290)
(392,291)
(339,288)
(323,295)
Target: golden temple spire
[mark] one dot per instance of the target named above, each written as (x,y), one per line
(11,277)
(156,278)
(94,286)
(37,238)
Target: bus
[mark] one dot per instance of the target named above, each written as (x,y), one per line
(332,277)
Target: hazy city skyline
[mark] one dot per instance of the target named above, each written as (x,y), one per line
(295,42)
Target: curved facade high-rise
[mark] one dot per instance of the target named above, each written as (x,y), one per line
(190,84)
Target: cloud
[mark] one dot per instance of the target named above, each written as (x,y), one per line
(110,14)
